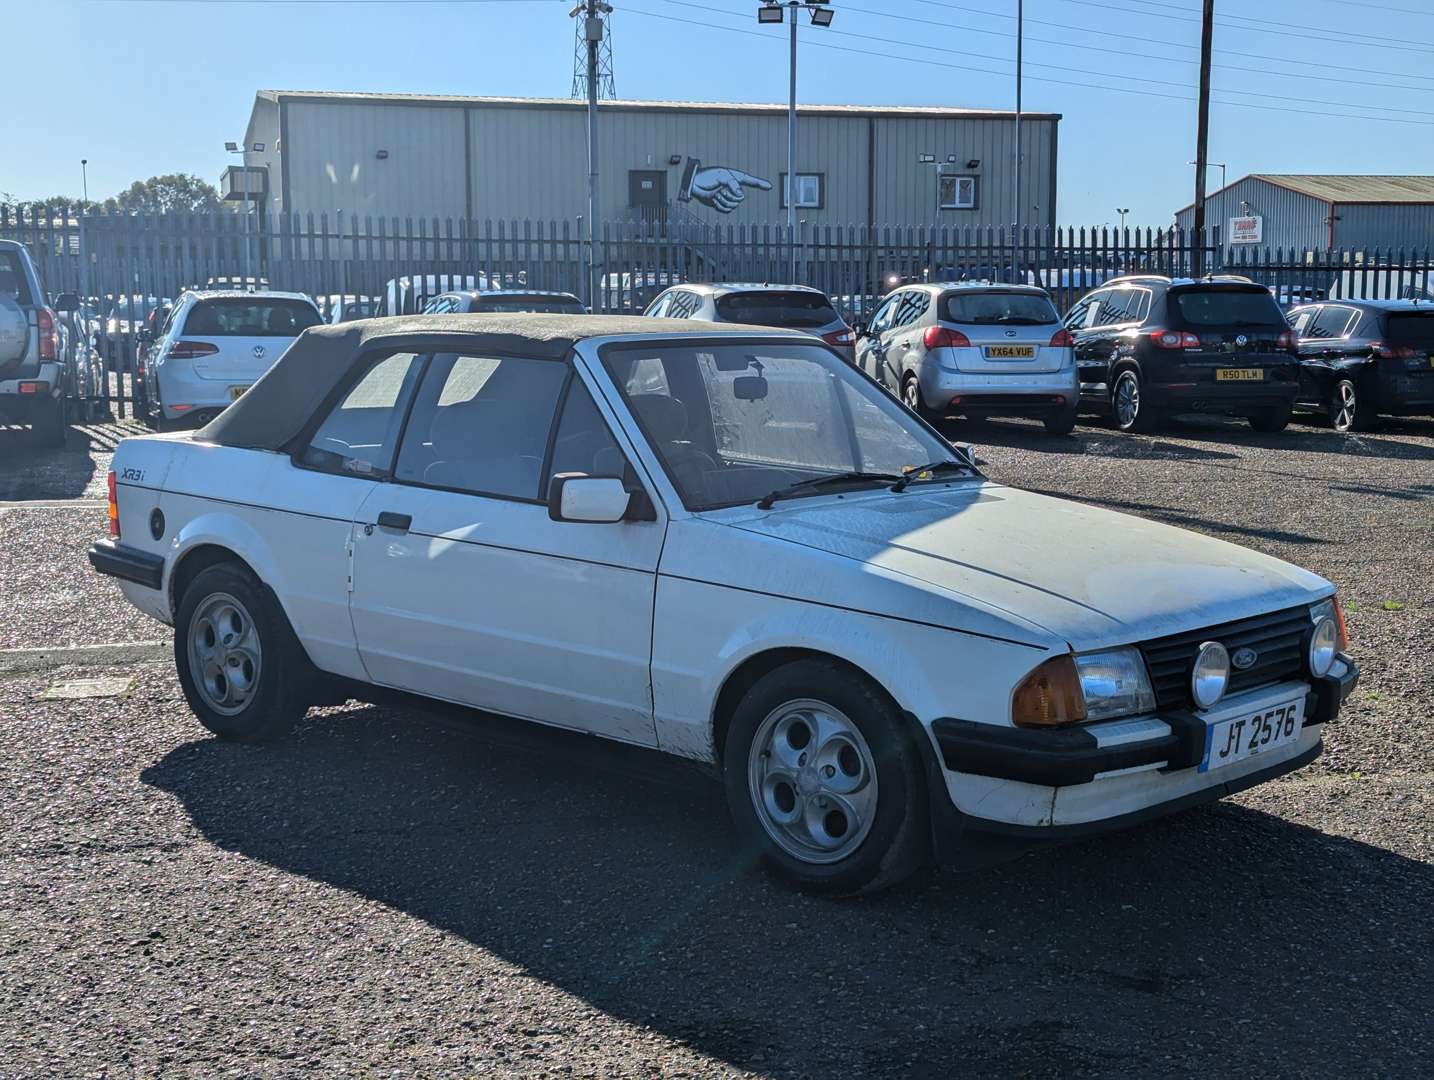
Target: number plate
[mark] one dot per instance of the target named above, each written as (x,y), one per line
(1229,374)
(1010,352)
(1243,737)
(236,392)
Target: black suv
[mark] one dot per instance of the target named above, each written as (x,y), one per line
(1148,346)
(1360,358)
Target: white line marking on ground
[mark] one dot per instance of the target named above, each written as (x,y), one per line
(14,661)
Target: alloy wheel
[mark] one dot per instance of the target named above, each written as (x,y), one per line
(225,653)
(911,395)
(1346,405)
(1127,399)
(812,780)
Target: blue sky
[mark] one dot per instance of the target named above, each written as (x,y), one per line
(141,87)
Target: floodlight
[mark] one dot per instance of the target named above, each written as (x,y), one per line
(770,13)
(822,16)
(232,147)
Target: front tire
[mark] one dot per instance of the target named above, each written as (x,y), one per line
(1128,405)
(823,780)
(241,669)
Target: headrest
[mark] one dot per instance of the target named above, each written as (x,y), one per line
(664,417)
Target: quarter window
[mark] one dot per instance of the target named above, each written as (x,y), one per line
(1332,322)
(480,424)
(909,308)
(359,434)
(684,304)
(958,192)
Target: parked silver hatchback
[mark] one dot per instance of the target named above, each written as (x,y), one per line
(791,307)
(974,349)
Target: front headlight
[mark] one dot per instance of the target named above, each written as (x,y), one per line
(1329,636)
(1114,683)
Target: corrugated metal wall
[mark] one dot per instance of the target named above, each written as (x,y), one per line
(1292,220)
(1384,225)
(531,161)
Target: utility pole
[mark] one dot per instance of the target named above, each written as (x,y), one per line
(1020,25)
(85,176)
(1202,138)
(792,155)
(596,76)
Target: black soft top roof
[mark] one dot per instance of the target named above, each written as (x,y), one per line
(279,405)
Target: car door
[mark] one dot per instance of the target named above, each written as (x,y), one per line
(869,343)
(1091,351)
(1324,347)
(903,343)
(464,588)
(1310,387)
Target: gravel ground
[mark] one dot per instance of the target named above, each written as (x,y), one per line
(410,893)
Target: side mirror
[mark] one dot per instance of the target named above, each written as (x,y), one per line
(967,453)
(67,303)
(144,334)
(592,499)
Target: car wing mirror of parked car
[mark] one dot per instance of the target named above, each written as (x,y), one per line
(858,327)
(597,500)
(67,303)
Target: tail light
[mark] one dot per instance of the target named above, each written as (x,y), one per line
(1063,339)
(1288,340)
(188,350)
(1391,352)
(113,507)
(941,337)
(844,336)
(49,333)
(1173,339)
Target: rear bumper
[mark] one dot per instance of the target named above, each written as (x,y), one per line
(1026,788)
(127,563)
(1016,392)
(179,385)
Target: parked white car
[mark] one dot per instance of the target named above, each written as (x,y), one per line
(728,544)
(214,346)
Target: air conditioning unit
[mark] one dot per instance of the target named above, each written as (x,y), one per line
(241,182)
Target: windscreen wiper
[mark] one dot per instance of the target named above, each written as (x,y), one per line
(766,501)
(933,467)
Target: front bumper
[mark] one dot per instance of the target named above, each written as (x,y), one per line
(1051,786)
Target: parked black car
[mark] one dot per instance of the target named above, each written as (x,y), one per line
(1361,358)
(1149,346)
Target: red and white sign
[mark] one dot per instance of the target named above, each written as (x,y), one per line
(1247,230)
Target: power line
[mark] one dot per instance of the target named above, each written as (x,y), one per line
(1037,78)
(1077,71)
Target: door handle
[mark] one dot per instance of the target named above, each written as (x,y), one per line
(399,522)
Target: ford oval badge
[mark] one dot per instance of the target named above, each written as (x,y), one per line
(1244,659)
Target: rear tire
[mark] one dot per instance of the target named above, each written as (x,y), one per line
(242,670)
(1347,409)
(1128,405)
(824,782)
(912,399)
(1062,422)
(1271,420)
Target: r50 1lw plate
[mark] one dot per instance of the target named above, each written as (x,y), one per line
(1226,374)
(1242,737)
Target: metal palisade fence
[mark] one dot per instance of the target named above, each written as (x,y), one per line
(133,263)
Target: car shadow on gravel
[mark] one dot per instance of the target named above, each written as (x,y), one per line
(30,472)
(1224,934)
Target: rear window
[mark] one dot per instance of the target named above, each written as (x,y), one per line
(12,278)
(800,310)
(996,308)
(546,305)
(1415,330)
(242,317)
(1252,306)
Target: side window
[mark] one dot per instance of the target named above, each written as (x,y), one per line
(440,305)
(1331,322)
(1139,306)
(480,424)
(583,443)
(1113,308)
(882,319)
(1075,317)
(658,307)
(360,433)
(1300,320)
(684,304)
(912,306)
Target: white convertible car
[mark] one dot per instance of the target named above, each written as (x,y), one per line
(727,544)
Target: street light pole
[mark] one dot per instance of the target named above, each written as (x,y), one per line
(85,176)
(792,152)
(1122,213)
(1020,23)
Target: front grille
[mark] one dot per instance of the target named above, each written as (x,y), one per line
(1278,638)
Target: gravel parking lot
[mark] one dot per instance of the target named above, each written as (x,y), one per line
(419,894)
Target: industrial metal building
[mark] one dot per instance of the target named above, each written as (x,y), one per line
(400,156)
(1306,212)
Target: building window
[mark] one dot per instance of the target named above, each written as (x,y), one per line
(957,192)
(811,190)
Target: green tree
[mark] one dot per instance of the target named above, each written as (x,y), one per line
(180,192)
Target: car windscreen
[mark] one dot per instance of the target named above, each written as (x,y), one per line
(1251,305)
(797,310)
(546,305)
(1413,330)
(12,278)
(999,308)
(734,421)
(243,317)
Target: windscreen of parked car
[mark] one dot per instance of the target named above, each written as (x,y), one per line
(1412,330)
(243,317)
(1000,308)
(795,310)
(546,305)
(12,278)
(734,422)
(1250,305)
